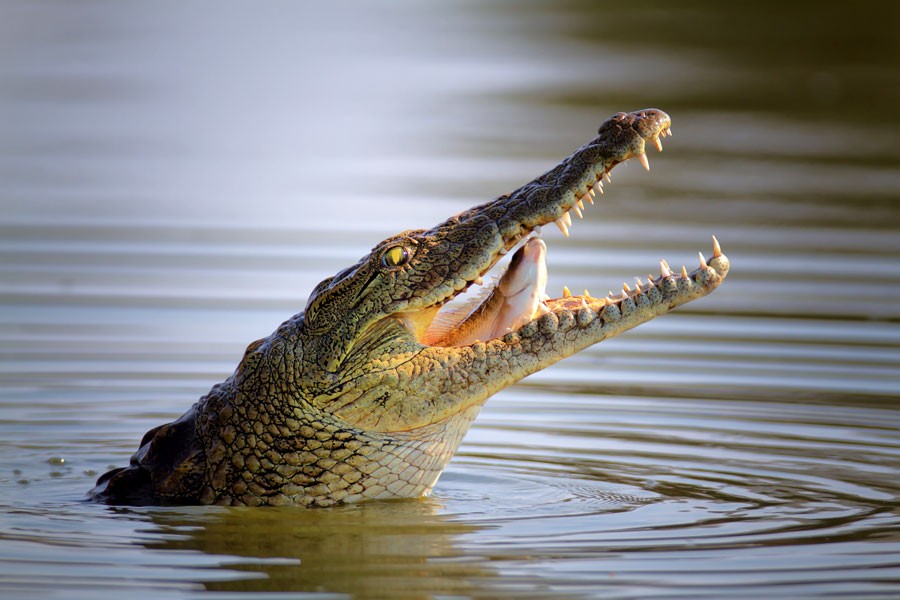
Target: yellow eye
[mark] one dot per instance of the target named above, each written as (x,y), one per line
(395,257)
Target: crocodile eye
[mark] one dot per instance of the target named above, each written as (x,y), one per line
(395,257)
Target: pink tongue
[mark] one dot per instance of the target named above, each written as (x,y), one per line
(515,299)
(523,286)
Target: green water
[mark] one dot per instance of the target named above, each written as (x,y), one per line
(175,178)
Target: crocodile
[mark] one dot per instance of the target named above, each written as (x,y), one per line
(361,396)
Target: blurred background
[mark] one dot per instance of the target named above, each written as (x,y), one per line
(175,178)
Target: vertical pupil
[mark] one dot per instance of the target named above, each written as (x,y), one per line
(395,256)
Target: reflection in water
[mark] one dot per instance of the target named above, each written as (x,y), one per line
(174,182)
(385,549)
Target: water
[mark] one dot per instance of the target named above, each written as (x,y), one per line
(174,181)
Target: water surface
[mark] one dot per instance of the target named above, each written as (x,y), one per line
(174,182)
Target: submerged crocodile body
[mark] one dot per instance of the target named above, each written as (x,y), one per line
(368,392)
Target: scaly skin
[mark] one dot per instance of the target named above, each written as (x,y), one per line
(343,402)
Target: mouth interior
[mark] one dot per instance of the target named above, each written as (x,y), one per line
(488,313)
(510,300)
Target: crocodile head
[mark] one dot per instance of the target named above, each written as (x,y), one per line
(367,325)
(362,395)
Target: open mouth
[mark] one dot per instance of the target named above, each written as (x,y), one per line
(514,298)
(500,309)
(518,296)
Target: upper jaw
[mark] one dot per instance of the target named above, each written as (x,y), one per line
(569,185)
(504,223)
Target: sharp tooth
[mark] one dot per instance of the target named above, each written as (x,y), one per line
(589,196)
(567,219)
(625,287)
(644,162)
(608,176)
(640,283)
(657,143)
(583,303)
(664,269)
(580,203)
(684,273)
(578,211)
(566,292)
(587,294)
(665,262)
(717,250)
(562,227)
(702,260)
(669,130)
(478,281)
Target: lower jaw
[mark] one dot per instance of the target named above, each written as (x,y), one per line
(640,303)
(632,306)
